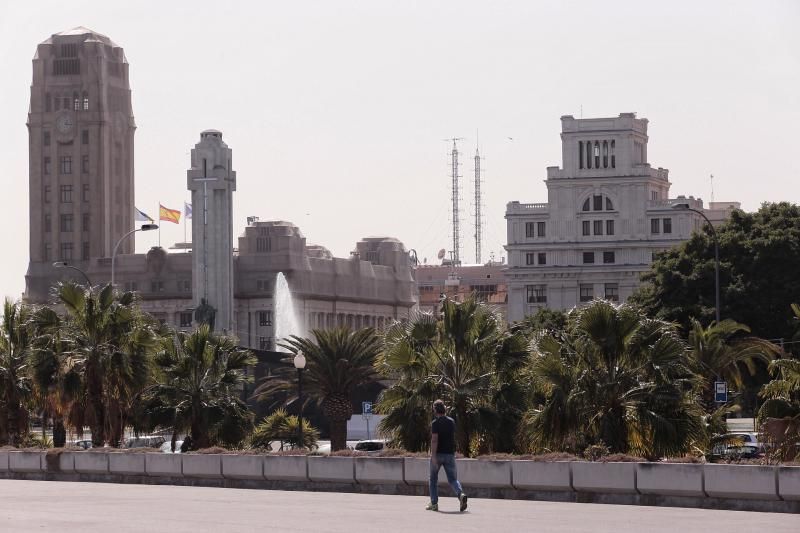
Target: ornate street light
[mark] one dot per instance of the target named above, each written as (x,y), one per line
(300,364)
(145,227)
(64,264)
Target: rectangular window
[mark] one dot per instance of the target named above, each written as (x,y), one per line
(85,222)
(598,227)
(46,252)
(47,194)
(184,285)
(612,292)
(156,285)
(265,318)
(131,286)
(264,343)
(262,285)
(587,227)
(540,227)
(66,251)
(586,292)
(85,192)
(263,244)
(667,225)
(66,67)
(46,138)
(47,224)
(46,166)
(84,136)
(530,228)
(608,258)
(530,258)
(609,227)
(65,164)
(86,251)
(66,194)
(588,258)
(186,319)
(66,223)
(85,164)
(655,225)
(597,201)
(537,294)
(542,258)
(86,103)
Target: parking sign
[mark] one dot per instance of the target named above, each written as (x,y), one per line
(720,392)
(366,408)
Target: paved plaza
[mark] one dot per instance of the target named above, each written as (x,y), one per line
(94,507)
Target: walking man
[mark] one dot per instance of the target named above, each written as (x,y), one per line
(443,454)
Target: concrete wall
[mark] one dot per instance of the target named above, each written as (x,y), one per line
(742,487)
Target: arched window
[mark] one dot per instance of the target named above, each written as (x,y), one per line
(605,154)
(580,154)
(76,102)
(85,101)
(609,205)
(613,157)
(586,205)
(596,154)
(588,154)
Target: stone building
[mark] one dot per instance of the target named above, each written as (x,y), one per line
(487,282)
(607,212)
(81,205)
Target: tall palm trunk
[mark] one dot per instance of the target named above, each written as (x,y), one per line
(95,389)
(59,433)
(199,430)
(338,409)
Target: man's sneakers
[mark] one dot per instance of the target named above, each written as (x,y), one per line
(432,507)
(463,499)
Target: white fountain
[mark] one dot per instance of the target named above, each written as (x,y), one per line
(286,321)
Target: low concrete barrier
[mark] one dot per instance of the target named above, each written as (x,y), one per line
(789,482)
(163,464)
(64,462)
(540,475)
(131,464)
(604,478)
(243,466)
(286,468)
(670,479)
(418,471)
(375,470)
(479,473)
(202,465)
(334,469)
(3,461)
(91,462)
(741,481)
(26,461)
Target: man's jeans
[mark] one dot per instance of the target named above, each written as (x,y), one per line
(448,461)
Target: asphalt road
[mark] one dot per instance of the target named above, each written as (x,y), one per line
(27,506)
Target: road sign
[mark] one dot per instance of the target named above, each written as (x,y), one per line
(720,392)
(366,408)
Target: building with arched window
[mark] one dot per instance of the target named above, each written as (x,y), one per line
(607,212)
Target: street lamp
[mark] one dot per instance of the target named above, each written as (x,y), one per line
(145,227)
(683,206)
(300,364)
(64,264)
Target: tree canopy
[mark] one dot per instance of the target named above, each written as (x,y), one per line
(759,260)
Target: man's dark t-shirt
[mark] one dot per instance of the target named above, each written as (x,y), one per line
(445,427)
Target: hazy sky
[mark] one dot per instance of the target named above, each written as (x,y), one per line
(336,111)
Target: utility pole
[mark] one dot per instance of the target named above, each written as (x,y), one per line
(454,176)
(478,227)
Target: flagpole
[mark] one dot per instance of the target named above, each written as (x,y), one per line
(159,224)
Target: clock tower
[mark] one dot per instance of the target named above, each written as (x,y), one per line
(80,128)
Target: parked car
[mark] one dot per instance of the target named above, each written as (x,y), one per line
(85,444)
(145,441)
(370,446)
(167,446)
(748,439)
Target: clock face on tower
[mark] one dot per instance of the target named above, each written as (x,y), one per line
(64,123)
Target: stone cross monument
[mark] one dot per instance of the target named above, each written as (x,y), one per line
(212,182)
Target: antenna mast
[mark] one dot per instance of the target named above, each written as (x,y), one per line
(712,187)
(478,228)
(455,199)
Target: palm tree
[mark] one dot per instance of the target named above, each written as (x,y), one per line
(719,352)
(108,348)
(198,381)
(462,358)
(15,383)
(780,412)
(337,362)
(614,378)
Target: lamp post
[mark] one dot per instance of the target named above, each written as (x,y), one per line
(300,364)
(683,206)
(64,264)
(145,227)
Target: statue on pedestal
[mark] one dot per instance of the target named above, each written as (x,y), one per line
(205,313)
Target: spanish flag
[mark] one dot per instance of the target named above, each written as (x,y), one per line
(170,215)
